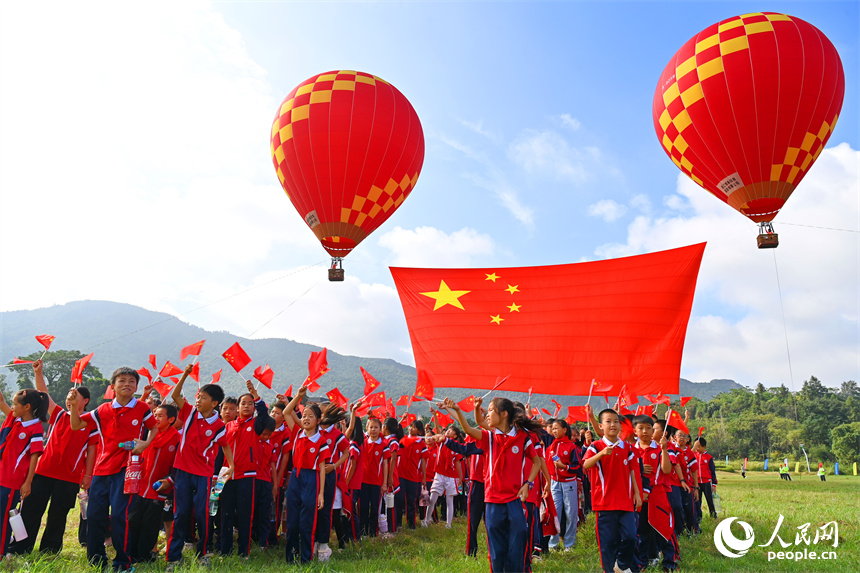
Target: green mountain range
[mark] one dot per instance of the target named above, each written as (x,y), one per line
(125,335)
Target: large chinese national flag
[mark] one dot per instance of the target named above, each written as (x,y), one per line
(556,328)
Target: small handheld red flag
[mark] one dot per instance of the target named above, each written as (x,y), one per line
(570,420)
(78,369)
(467,404)
(195,372)
(144,372)
(216,377)
(701,430)
(289,393)
(424,385)
(317,367)
(389,407)
(313,386)
(237,357)
(162,388)
(19,361)
(170,370)
(675,420)
(685,399)
(403,401)
(380,413)
(152,361)
(191,350)
(45,340)
(377,399)
(370,383)
(265,375)
(579,413)
(109,393)
(334,395)
(408,419)
(557,408)
(363,410)
(443,419)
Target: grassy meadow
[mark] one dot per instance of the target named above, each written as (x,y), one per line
(759,500)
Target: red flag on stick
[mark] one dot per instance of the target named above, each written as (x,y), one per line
(335,396)
(195,372)
(557,408)
(317,367)
(265,375)
(377,399)
(389,407)
(579,413)
(45,340)
(289,392)
(701,430)
(370,383)
(216,377)
(675,420)
(152,361)
(424,387)
(444,420)
(191,350)
(19,361)
(237,357)
(684,400)
(545,411)
(313,386)
(380,413)
(144,372)
(467,325)
(403,401)
(170,370)
(408,419)
(467,404)
(162,388)
(78,368)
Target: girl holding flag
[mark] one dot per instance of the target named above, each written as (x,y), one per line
(506,485)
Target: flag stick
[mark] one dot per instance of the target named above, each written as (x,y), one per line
(499,383)
(588,409)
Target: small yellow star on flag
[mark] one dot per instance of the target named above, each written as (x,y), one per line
(513,288)
(515,307)
(492,277)
(497,319)
(446,296)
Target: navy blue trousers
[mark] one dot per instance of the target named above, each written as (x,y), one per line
(108,507)
(237,506)
(411,492)
(262,512)
(323,532)
(508,537)
(370,497)
(475,514)
(8,499)
(302,493)
(616,539)
(674,495)
(190,499)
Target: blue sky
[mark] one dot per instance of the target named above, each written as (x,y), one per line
(135,136)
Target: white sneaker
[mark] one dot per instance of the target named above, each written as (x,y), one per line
(424,523)
(316,547)
(324,552)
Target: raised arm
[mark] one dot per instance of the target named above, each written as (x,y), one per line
(481,414)
(4,407)
(289,418)
(39,379)
(177,396)
(452,406)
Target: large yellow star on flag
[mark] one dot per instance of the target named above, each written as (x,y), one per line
(445,296)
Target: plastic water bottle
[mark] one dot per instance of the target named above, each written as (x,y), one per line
(718,506)
(156,485)
(16,522)
(133,474)
(129,445)
(217,488)
(84,499)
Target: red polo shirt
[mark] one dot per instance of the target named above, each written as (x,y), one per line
(412,449)
(18,441)
(158,461)
(308,451)
(568,454)
(505,466)
(115,424)
(198,445)
(446,462)
(65,450)
(374,455)
(611,484)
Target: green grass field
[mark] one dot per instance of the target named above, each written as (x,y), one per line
(758,500)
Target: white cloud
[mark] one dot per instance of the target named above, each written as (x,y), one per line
(736,330)
(478,127)
(571,122)
(547,153)
(607,209)
(429,247)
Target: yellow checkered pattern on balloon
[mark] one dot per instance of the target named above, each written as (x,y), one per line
(377,199)
(729,42)
(320,91)
(798,159)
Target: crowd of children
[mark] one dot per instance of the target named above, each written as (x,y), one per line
(295,470)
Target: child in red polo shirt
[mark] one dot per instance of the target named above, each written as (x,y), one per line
(449,476)
(20,448)
(353,476)
(614,494)
(117,422)
(376,458)
(266,455)
(305,489)
(66,465)
(707,477)
(147,512)
(332,416)
(565,465)
(413,465)
(507,446)
(202,433)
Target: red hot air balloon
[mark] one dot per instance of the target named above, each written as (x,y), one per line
(348,148)
(746,106)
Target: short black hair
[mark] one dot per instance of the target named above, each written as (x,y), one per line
(661,423)
(268,424)
(607,411)
(230,399)
(214,391)
(702,441)
(85,392)
(170,410)
(642,419)
(124,370)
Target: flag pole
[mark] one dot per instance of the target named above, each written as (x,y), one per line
(588,409)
